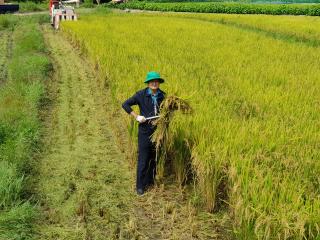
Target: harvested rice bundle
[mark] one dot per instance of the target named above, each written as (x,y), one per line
(161,136)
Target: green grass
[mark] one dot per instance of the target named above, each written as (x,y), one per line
(20,96)
(224,7)
(7,22)
(253,137)
(30,6)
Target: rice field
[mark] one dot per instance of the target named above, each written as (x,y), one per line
(253,136)
(303,28)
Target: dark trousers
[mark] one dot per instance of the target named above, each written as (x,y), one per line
(146,167)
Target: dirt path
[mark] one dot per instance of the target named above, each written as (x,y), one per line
(30,13)
(85,186)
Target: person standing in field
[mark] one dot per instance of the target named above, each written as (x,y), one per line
(148,100)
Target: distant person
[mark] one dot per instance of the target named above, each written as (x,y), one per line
(148,100)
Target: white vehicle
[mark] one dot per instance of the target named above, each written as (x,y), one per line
(60,12)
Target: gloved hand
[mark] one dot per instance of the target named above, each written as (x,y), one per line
(141,119)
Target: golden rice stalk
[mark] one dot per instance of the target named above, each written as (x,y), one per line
(161,136)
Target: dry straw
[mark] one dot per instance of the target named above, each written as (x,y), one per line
(161,136)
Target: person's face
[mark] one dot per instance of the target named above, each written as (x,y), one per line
(154,84)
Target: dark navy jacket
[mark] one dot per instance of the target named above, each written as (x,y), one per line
(143,99)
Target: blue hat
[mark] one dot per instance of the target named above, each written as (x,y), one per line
(153,76)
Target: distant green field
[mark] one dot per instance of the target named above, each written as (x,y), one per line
(224,7)
(239,1)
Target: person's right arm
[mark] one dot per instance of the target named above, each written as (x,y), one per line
(127,107)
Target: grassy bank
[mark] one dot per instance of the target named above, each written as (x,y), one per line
(224,7)
(30,6)
(253,138)
(20,96)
